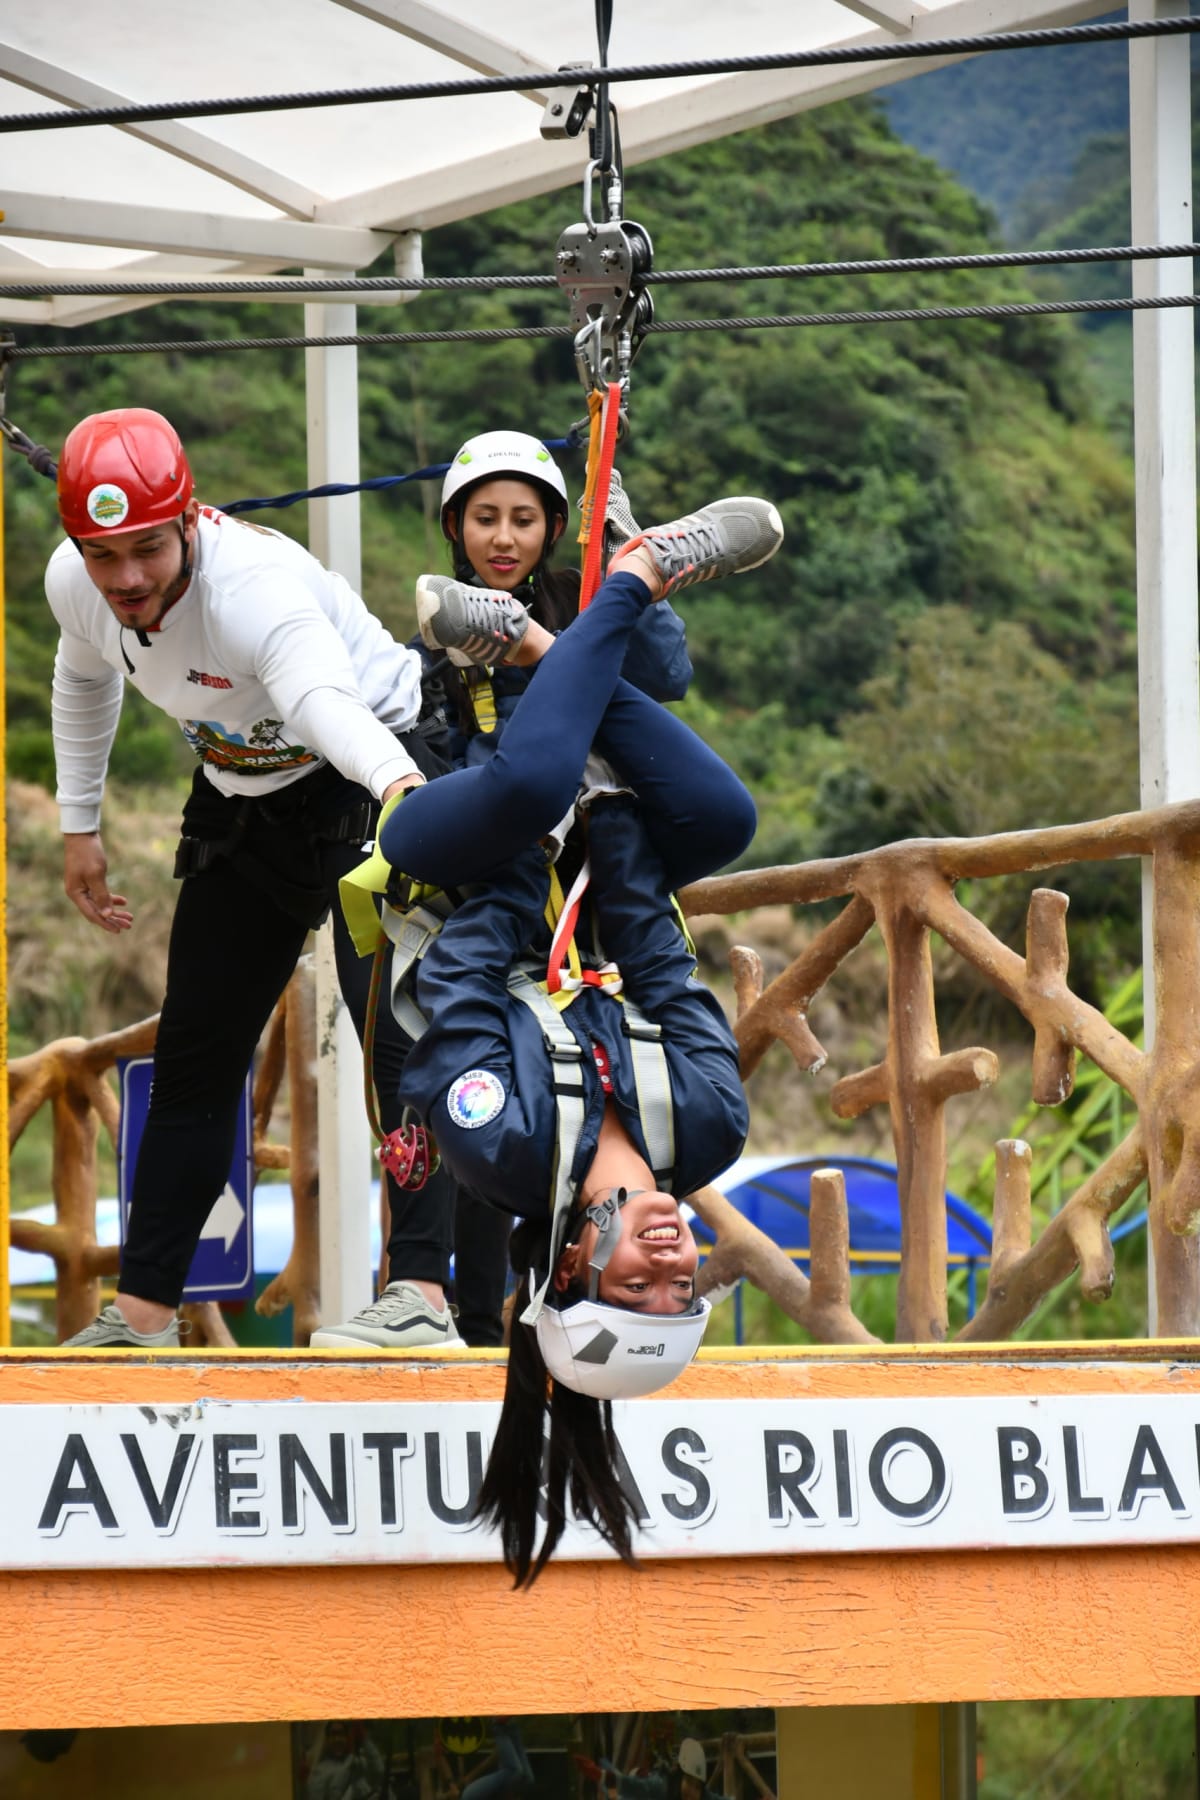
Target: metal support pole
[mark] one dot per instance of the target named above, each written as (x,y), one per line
(335,537)
(1165,453)
(5,1293)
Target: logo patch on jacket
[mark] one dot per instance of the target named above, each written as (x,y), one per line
(475,1099)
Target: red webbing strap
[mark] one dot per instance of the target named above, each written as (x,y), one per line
(610,420)
(564,931)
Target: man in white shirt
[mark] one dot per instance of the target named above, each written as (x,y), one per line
(303,712)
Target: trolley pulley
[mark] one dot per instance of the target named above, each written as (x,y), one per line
(602,266)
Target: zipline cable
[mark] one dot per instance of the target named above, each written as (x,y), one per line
(23,289)
(500,333)
(834,56)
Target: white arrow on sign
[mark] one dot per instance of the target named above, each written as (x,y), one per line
(225,1219)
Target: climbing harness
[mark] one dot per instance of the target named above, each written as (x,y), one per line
(410,917)
(652,1083)
(408,1154)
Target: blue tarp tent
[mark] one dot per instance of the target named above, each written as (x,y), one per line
(772,1192)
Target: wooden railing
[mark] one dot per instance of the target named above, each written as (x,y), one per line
(906,891)
(72,1077)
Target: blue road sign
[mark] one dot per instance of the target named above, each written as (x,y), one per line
(223,1266)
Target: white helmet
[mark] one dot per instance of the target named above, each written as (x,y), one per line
(692,1760)
(495,454)
(613,1354)
(607,1351)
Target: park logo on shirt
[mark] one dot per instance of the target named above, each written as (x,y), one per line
(108,505)
(475,1099)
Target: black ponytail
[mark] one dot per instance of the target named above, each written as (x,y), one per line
(529,1475)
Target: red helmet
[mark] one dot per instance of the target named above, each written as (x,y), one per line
(122,471)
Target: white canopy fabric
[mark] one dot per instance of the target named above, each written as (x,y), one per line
(330,189)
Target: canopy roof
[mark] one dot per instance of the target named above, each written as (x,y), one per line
(329,189)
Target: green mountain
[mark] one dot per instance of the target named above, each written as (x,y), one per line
(1010,124)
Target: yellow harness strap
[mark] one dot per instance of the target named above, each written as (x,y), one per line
(357,891)
(587,505)
(482,697)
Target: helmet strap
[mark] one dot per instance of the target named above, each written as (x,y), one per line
(605,1215)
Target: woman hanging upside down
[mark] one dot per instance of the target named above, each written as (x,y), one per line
(584,1120)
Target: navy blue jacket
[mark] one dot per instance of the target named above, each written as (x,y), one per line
(498,1131)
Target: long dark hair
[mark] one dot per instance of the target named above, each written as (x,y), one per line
(579,1462)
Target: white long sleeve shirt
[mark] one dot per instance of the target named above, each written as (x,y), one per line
(284,653)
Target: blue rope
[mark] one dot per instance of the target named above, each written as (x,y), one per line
(433,472)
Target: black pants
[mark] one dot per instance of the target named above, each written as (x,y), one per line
(232,952)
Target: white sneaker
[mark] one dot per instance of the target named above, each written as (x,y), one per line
(401,1318)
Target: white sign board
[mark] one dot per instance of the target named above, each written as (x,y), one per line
(240,1482)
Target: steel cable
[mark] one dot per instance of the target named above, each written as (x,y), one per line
(661,327)
(556,78)
(366,285)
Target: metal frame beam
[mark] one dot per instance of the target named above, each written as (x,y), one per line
(191,146)
(696,113)
(290,242)
(1164,415)
(335,536)
(437,30)
(893,15)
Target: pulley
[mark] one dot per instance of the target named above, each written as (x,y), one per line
(602,266)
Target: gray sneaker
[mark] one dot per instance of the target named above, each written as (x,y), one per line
(110,1332)
(726,537)
(401,1318)
(473,625)
(619,522)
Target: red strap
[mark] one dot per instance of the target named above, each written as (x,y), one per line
(608,445)
(564,931)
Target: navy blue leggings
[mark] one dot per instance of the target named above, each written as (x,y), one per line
(698,814)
